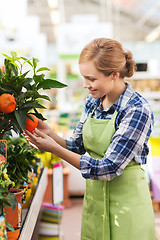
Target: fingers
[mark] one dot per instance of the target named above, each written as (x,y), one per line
(39,133)
(40,122)
(29,140)
(36,138)
(33,145)
(26,136)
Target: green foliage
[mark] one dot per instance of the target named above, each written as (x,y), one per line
(6,198)
(21,158)
(25,90)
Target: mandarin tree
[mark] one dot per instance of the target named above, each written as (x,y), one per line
(23,90)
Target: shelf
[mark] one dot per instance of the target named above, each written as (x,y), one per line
(33,212)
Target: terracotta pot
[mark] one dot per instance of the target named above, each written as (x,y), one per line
(15,217)
(13,235)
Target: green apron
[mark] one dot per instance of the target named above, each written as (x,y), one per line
(120,208)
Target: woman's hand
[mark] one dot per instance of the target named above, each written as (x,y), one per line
(40,140)
(43,127)
(43,142)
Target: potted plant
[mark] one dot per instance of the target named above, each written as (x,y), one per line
(21,158)
(20,93)
(7,198)
(22,164)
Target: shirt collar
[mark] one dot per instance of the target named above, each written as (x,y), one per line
(121,102)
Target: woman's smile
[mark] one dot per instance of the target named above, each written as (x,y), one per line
(92,91)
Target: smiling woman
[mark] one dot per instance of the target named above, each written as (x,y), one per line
(114,128)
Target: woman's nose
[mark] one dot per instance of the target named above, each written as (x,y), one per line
(85,84)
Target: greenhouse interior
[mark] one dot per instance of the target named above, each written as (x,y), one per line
(65,64)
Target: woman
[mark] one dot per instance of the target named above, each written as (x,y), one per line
(114,129)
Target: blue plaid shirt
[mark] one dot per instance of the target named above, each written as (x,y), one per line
(133,124)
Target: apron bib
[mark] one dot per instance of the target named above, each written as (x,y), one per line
(120,208)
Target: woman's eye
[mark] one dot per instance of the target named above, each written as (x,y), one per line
(92,79)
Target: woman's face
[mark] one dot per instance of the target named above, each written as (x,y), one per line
(97,83)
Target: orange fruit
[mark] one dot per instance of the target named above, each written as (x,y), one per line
(30,124)
(7,103)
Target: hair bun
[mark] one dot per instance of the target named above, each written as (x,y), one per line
(130,64)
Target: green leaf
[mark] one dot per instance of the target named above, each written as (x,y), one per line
(35,61)
(21,119)
(6,201)
(39,115)
(27,60)
(27,84)
(32,105)
(34,95)
(45,97)
(7,88)
(3,190)
(9,226)
(14,54)
(24,74)
(43,69)
(11,61)
(5,166)
(38,78)
(28,94)
(49,83)
(14,69)
(7,57)
(17,185)
(13,200)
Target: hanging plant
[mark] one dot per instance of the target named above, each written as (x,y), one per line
(20,93)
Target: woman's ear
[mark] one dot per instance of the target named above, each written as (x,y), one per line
(115,75)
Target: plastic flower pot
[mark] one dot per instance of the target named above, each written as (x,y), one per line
(15,217)
(13,235)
